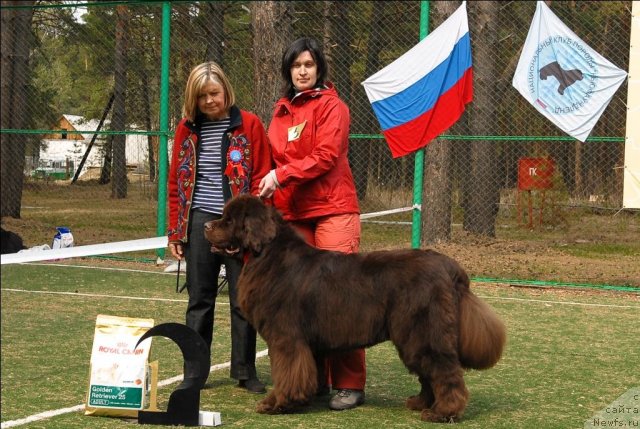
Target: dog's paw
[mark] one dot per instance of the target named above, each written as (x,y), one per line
(429,416)
(273,405)
(265,409)
(417,403)
(267,405)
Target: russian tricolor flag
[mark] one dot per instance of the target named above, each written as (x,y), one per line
(424,92)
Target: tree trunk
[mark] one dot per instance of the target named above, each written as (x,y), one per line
(151,140)
(271,23)
(15,75)
(107,155)
(213,29)
(483,189)
(437,193)
(436,188)
(338,37)
(337,46)
(181,60)
(119,119)
(364,150)
(147,123)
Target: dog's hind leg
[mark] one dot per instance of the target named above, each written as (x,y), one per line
(430,349)
(424,399)
(449,391)
(443,395)
(294,375)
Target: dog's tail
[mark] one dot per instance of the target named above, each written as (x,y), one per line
(482,333)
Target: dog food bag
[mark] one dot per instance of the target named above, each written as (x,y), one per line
(63,238)
(119,372)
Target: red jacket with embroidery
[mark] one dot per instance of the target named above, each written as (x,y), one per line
(309,137)
(245,161)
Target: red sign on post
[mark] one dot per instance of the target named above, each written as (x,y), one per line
(535,173)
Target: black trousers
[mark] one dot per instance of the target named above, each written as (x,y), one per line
(203,268)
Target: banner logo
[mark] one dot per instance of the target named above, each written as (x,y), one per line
(562,75)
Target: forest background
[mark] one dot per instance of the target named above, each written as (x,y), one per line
(105,59)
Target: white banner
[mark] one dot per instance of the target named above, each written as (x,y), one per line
(562,77)
(631,193)
(89,250)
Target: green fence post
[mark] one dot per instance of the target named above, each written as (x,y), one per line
(418,171)
(164,125)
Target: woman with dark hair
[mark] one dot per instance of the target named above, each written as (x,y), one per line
(289,88)
(312,184)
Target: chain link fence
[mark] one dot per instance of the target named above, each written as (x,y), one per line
(88,75)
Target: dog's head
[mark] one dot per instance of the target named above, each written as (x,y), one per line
(247,225)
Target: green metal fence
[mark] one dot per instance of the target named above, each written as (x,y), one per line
(79,55)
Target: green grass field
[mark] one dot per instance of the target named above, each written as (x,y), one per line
(569,354)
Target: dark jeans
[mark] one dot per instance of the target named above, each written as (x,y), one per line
(203,268)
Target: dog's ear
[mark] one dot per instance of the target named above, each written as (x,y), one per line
(260,226)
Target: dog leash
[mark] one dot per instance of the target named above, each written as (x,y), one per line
(178,278)
(179,288)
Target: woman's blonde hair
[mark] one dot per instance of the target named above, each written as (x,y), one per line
(199,77)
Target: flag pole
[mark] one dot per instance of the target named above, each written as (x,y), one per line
(164,126)
(416,225)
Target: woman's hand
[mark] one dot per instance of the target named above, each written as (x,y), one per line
(268,185)
(176,250)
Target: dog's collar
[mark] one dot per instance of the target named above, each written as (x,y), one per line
(248,255)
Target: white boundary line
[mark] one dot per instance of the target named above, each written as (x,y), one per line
(97,295)
(52,413)
(41,416)
(217,367)
(540,301)
(91,267)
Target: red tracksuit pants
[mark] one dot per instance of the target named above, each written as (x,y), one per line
(339,233)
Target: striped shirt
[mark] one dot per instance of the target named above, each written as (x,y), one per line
(207,195)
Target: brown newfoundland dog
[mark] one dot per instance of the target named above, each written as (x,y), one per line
(306,302)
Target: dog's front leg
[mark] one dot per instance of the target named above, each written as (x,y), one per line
(294,375)
(268,404)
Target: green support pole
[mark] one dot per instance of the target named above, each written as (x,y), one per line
(418,171)
(164,125)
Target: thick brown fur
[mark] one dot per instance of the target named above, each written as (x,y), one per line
(306,302)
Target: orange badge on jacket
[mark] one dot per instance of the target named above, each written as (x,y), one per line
(295,132)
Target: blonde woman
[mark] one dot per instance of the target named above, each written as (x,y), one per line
(219,151)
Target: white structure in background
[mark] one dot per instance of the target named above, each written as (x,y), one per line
(631,192)
(60,154)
